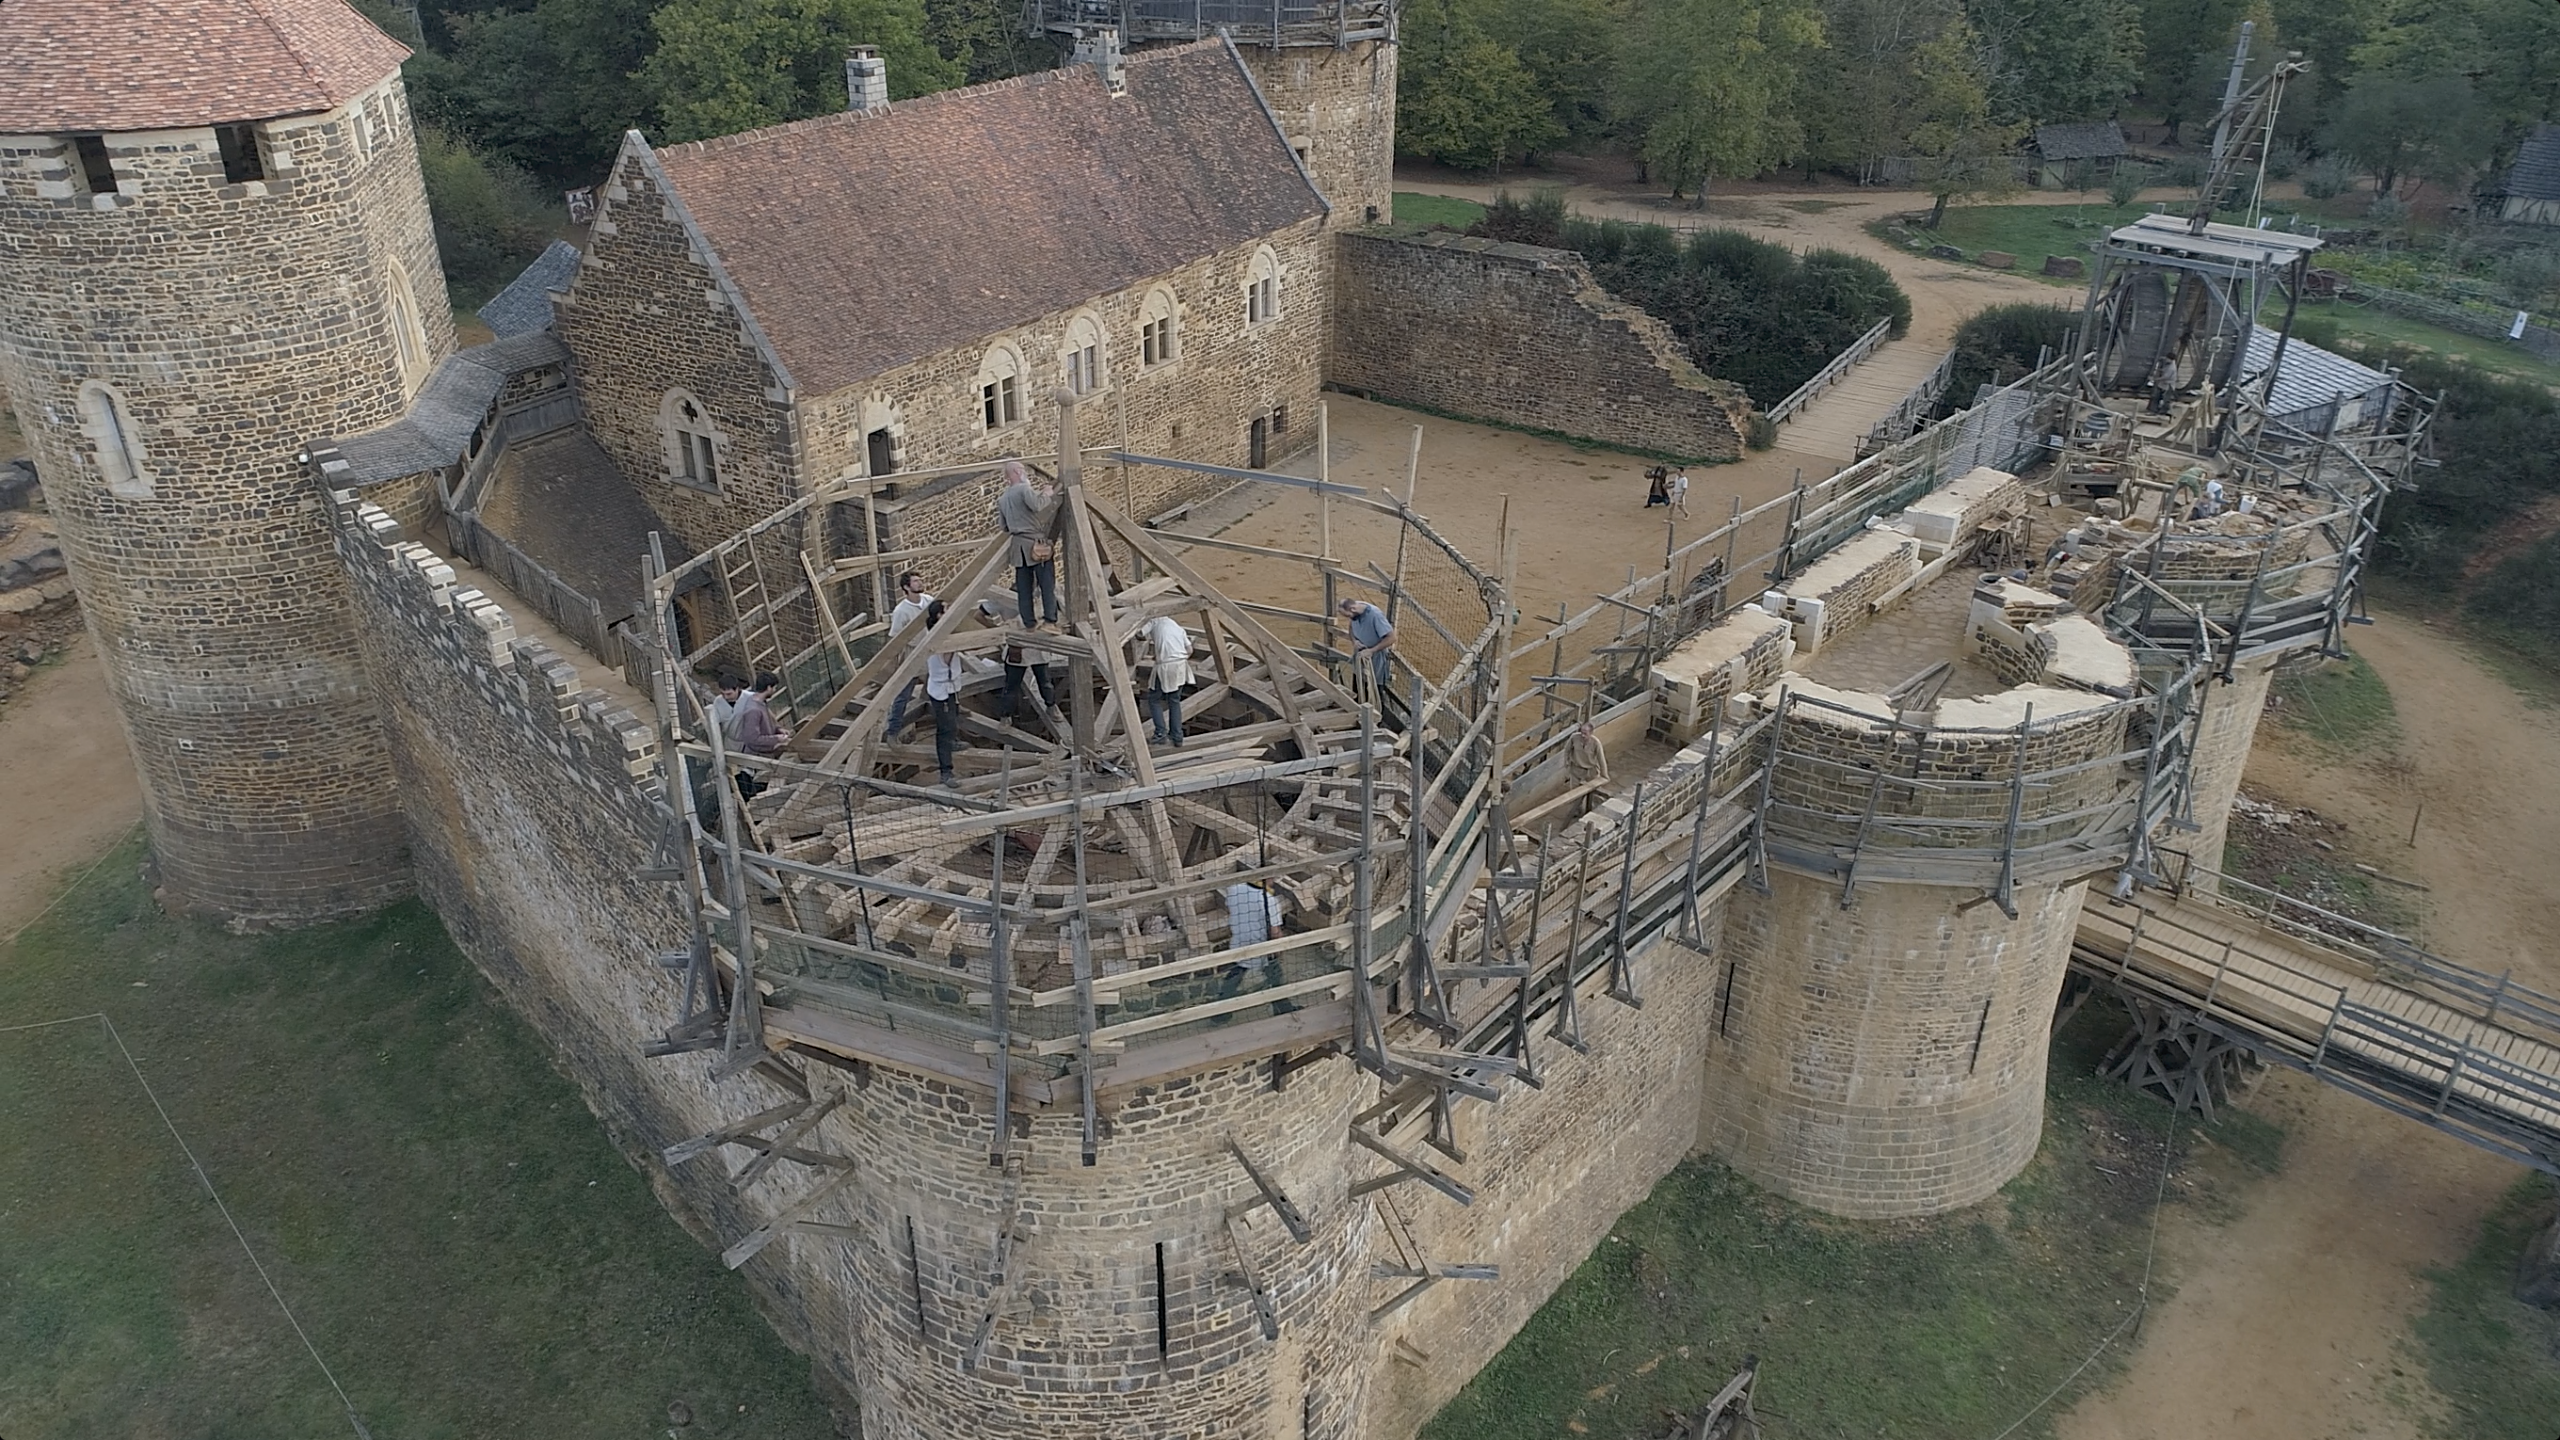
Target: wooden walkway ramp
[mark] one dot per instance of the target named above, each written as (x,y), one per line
(2448,1046)
(1833,422)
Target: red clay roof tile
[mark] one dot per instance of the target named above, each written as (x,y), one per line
(108,65)
(863,241)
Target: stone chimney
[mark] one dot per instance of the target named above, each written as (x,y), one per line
(1100,47)
(866,80)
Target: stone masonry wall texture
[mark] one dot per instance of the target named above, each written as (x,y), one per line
(1520,335)
(1338,109)
(1887,1059)
(237,322)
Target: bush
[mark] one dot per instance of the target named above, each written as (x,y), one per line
(490,218)
(2185,172)
(2328,177)
(1747,311)
(2284,162)
(2127,183)
(2000,344)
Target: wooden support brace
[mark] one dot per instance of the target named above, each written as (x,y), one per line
(1295,1223)
(1408,1167)
(755,1241)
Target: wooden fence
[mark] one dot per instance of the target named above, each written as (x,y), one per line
(1830,375)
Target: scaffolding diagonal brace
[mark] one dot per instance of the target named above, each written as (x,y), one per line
(1408,1167)
(1272,1195)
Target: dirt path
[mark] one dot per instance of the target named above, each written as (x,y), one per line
(67,787)
(2294,1318)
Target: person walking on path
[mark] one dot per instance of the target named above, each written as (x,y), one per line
(1171,647)
(913,599)
(1026,510)
(1680,492)
(943,677)
(1373,639)
(1657,487)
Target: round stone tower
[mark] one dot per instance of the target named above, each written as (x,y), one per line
(1880,1046)
(214,248)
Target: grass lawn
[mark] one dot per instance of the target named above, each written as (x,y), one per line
(2030,232)
(2342,704)
(2496,1358)
(1416,211)
(1951,1327)
(2364,322)
(464,1249)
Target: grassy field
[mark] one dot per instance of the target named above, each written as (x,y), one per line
(2030,232)
(1420,212)
(2496,1358)
(1942,1329)
(2364,322)
(446,1220)
(2342,704)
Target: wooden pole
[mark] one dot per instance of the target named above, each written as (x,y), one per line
(1404,535)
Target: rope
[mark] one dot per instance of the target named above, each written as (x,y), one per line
(202,1177)
(2142,1304)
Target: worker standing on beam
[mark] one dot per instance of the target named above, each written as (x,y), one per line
(1027,511)
(1373,638)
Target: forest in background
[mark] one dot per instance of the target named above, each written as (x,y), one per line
(2401,92)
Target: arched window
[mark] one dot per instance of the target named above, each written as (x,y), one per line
(108,423)
(1159,329)
(1262,287)
(1082,357)
(694,445)
(1000,389)
(407,338)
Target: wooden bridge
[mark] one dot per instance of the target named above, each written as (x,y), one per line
(2473,1054)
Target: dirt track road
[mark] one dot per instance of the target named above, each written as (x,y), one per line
(2293,1319)
(67,787)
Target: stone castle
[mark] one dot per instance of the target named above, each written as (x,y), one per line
(1034,1126)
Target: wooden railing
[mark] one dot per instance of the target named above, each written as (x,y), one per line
(1913,411)
(1841,364)
(577,615)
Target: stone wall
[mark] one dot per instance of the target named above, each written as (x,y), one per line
(1849,582)
(1553,1168)
(1520,335)
(1338,109)
(1888,1058)
(1201,405)
(236,322)
(2224,735)
(646,314)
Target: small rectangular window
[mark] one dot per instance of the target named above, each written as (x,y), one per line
(241,162)
(1279,419)
(706,464)
(1011,392)
(1000,400)
(95,167)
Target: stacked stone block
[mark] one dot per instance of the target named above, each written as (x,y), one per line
(236,322)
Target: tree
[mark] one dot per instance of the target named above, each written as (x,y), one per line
(2058,59)
(1962,151)
(550,88)
(2186,52)
(1570,48)
(722,66)
(1858,87)
(985,38)
(490,220)
(1710,85)
(1462,97)
(2400,129)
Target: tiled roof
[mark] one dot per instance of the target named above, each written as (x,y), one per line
(2536,175)
(2080,140)
(110,65)
(447,409)
(526,302)
(2311,376)
(862,241)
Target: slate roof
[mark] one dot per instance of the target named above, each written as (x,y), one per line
(2311,376)
(2536,175)
(449,407)
(2081,140)
(560,500)
(111,65)
(525,305)
(863,241)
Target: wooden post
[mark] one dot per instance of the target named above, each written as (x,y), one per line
(1404,531)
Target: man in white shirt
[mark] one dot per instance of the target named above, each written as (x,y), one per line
(943,677)
(913,601)
(1680,491)
(1171,645)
